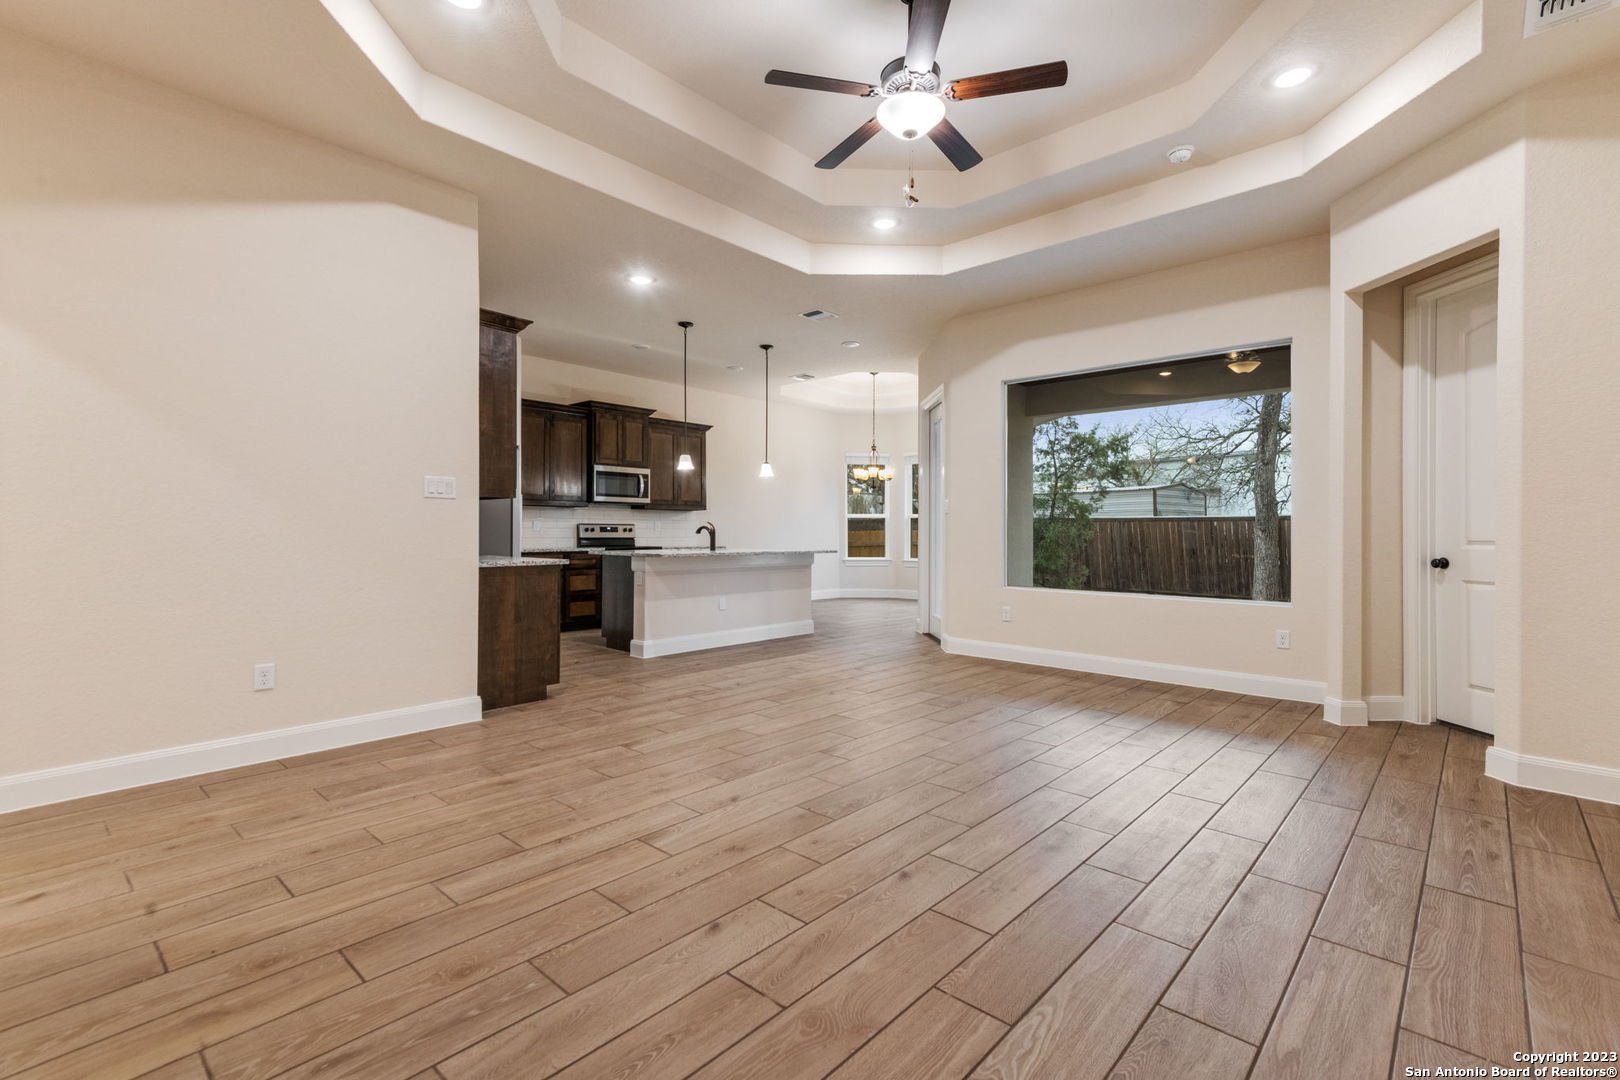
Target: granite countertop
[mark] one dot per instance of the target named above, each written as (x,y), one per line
(507,560)
(554,550)
(694,552)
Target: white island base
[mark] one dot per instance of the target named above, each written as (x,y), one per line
(658,603)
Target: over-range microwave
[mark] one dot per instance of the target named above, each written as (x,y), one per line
(620,484)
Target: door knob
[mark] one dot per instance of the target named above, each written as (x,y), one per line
(1440,562)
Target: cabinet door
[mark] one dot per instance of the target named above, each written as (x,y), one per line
(565,465)
(497,413)
(690,486)
(607,438)
(535,454)
(661,438)
(634,439)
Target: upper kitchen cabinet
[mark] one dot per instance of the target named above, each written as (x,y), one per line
(619,434)
(671,488)
(498,403)
(556,466)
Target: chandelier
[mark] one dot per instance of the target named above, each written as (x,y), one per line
(873,469)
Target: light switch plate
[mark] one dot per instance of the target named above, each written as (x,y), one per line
(438,487)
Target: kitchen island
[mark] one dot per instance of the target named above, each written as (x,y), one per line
(674,600)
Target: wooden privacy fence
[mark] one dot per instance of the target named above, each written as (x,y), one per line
(1191,556)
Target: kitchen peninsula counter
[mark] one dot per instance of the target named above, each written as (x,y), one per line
(672,600)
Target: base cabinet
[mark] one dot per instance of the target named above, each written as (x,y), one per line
(518,646)
(582,592)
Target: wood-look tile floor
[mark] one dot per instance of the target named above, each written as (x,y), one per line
(848,855)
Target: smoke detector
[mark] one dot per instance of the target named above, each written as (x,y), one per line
(1180,155)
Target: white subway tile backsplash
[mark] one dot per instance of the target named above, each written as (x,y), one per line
(546,526)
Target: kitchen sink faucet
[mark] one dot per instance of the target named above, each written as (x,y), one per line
(707,526)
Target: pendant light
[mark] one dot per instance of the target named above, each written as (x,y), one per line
(765,470)
(685,462)
(873,469)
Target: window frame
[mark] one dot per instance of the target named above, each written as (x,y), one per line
(911,467)
(1006,474)
(853,458)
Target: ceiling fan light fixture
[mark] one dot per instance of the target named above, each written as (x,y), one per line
(911,114)
(1241,363)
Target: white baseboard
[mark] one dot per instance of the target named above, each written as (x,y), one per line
(23,790)
(1344,713)
(1235,682)
(646,650)
(1550,774)
(864,594)
(1386,707)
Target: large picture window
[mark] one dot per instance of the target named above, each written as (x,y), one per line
(865,513)
(1173,478)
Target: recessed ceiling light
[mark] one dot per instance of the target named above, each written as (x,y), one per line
(733,367)
(640,346)
(640,278)
(850,344)
(803,377)
(1165,374)
(818,315)
(470,5)
(884,223)
(1291,78)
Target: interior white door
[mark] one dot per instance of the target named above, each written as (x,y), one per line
(1460,566)
(936,518)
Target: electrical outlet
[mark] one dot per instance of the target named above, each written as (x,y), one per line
(264,676)
(438,487)
(722,603)
(1006,614)
(1282,639)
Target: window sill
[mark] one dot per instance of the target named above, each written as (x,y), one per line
(910,562)
(854,561)
(1151,596)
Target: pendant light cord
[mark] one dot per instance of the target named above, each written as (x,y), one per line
(686,326)
(767,349)
(874,419)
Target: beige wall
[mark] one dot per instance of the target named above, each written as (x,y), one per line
(1264,295)
(1569,618)
(230,353)
(801,507)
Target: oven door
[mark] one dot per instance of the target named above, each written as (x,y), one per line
(618,484)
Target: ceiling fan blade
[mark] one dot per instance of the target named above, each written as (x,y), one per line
(857,139)
(954,146)
(924,25)
(1015,81)
(819,82)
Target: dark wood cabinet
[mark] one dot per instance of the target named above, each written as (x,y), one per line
(498,358)
(556,466)
(518,646)
(582,592)
(663,438)
(671,488)
(619,433)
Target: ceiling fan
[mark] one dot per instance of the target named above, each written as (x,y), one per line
(913,94)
